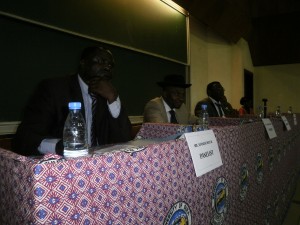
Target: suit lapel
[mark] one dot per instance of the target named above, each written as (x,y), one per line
(101,105)
(163,109)
(215,112)
(181,115)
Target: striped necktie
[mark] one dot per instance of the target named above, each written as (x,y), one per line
(173,116)
(220,109)
(93,125)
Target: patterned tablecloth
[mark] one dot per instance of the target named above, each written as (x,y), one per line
(158,185)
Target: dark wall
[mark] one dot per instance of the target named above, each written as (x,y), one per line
(30,53)
(41,39)
(149,26)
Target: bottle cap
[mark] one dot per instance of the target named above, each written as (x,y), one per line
(74,105)
(204,106)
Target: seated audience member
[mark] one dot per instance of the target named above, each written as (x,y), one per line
(41,130)
(170,107)
(246,106)
(217,105)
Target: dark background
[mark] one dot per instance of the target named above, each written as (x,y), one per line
(271,27)
(31,49)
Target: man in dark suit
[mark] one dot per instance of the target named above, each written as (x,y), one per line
(217,105)
(41,130)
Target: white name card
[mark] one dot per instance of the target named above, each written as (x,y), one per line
(269,128)
(286,123)
(204,151)
(295,119)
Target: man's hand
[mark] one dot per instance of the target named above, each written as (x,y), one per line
(103,88)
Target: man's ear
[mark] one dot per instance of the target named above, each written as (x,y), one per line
(82,62)
(163,93)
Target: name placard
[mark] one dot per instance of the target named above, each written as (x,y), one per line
(286,123)
(204,151)
(295,119)
(269,128)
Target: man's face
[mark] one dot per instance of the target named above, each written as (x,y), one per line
(217,92)
(174,96)
(97,65)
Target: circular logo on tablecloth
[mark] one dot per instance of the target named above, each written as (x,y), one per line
(278,151)
(184,129)
(220,201)
(283,196)
(244,182)
(268,214)
(288,145)
(284,146)
(197,128)
(276,204)
(259,168)
(180,214)
(271,158)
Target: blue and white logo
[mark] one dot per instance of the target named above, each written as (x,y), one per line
(271,158)
(259,168)
(179,214)
(220,201)
(268,214)
(278,151)
(244,182)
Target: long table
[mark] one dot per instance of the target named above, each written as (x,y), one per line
(158,184)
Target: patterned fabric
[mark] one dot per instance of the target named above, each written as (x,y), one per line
(141,188)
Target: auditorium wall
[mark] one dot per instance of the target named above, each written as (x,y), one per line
(212,58)
(279,84)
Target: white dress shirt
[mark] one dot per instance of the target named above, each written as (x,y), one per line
(221,114)
(48,145)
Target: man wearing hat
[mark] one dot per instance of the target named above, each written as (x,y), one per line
(170,107)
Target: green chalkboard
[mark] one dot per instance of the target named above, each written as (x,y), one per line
(30,53)
(143,25)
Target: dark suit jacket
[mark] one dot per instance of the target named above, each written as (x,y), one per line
(211,109)
(47,111)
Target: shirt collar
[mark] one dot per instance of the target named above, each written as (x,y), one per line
(83,85)
(167,107)
(214,101)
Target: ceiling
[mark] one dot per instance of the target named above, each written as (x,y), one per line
(270,27)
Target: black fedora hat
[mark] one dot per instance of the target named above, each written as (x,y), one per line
(173,80)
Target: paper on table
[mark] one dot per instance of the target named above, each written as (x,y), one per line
(117,148)
(130,147)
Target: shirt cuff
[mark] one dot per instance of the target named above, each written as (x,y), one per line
(47,146)
(115,108)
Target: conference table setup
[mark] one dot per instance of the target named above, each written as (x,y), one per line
(240,171)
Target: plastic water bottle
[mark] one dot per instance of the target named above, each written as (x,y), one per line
(261,112)
(204,118)
(75,134)
(277,112)
(290,111)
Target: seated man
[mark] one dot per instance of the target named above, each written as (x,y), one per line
(169,108)
(228,109)
(217,105)
(246,106)
(41,130)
